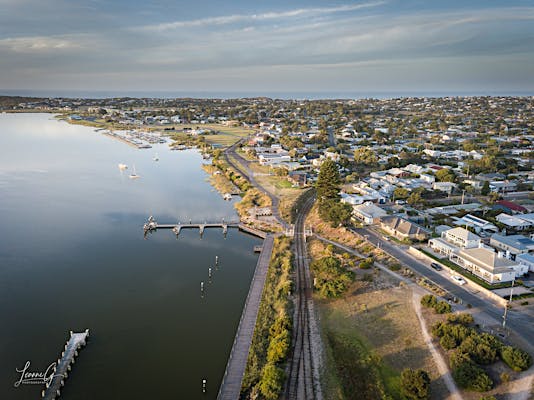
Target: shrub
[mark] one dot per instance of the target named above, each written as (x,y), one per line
(505,377)
(332,279)
(488,398)
(367,263)
(395,267)
(515,358)
(478,350)
(278,347)
(471,377)
(462,318)
(271,382)
(458,358)
(415,384)
(429,301)
(442,307)
(448,342)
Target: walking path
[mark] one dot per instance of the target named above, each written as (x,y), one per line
(235,369)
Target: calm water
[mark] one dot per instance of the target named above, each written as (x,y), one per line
(72,256)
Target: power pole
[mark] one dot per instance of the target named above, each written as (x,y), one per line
(506,306)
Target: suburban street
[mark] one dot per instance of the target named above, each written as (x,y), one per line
(522,325)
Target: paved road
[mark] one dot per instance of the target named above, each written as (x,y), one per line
(522,325)
(331,137)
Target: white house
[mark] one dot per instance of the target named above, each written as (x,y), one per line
(513,221)
(452,240)
(462,238)
(526,260)
(488,265)
(368,213)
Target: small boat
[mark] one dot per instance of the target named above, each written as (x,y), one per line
(156,158)
(134,175)
(227,196)
(122,167)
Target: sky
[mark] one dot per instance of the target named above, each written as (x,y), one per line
(266,46)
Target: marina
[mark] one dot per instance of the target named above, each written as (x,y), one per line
(137,139)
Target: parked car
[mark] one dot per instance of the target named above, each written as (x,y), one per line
(436,266)
(459,280)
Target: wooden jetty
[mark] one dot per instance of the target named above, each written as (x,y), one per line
(235,368)
(63,365)
(152,225)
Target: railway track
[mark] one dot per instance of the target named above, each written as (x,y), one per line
(303,371)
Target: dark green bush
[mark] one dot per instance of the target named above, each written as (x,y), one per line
(517,359)
(415,384)
(448,342)
(462,318)
(442,307)
(429,301)
(471,377)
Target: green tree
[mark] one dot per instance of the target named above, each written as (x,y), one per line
(365,156)
(485,188)
(445,175)
(401,193)
(331,278)
(335,212)
(328,181)
(415,384)
(415,199)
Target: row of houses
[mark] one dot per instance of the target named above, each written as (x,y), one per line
(507,257)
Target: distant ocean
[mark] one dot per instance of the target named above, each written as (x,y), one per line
(232,95)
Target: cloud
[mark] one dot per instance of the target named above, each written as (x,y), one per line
(38,44)
(230,19)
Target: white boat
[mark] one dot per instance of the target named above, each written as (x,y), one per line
(122,167)
(227,196)
(156,158)
(134,175)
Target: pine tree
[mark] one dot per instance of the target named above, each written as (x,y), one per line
(328,182)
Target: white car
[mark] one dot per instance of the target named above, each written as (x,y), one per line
(459,280)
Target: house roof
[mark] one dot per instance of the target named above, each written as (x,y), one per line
(527,258)
(370,210)
(518,242)
(403,226)
(487,259)
(463,234)
(511,205)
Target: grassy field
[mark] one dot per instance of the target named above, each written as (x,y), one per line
(371,334)
(226,136)
(219,181)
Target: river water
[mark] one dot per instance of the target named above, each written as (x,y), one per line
(73,256)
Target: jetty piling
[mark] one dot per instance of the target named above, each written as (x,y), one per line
(63,364)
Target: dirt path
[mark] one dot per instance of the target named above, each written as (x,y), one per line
(418,292)
(438,359)
(523,387)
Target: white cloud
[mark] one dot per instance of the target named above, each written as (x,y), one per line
(230,19)
(38,44)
